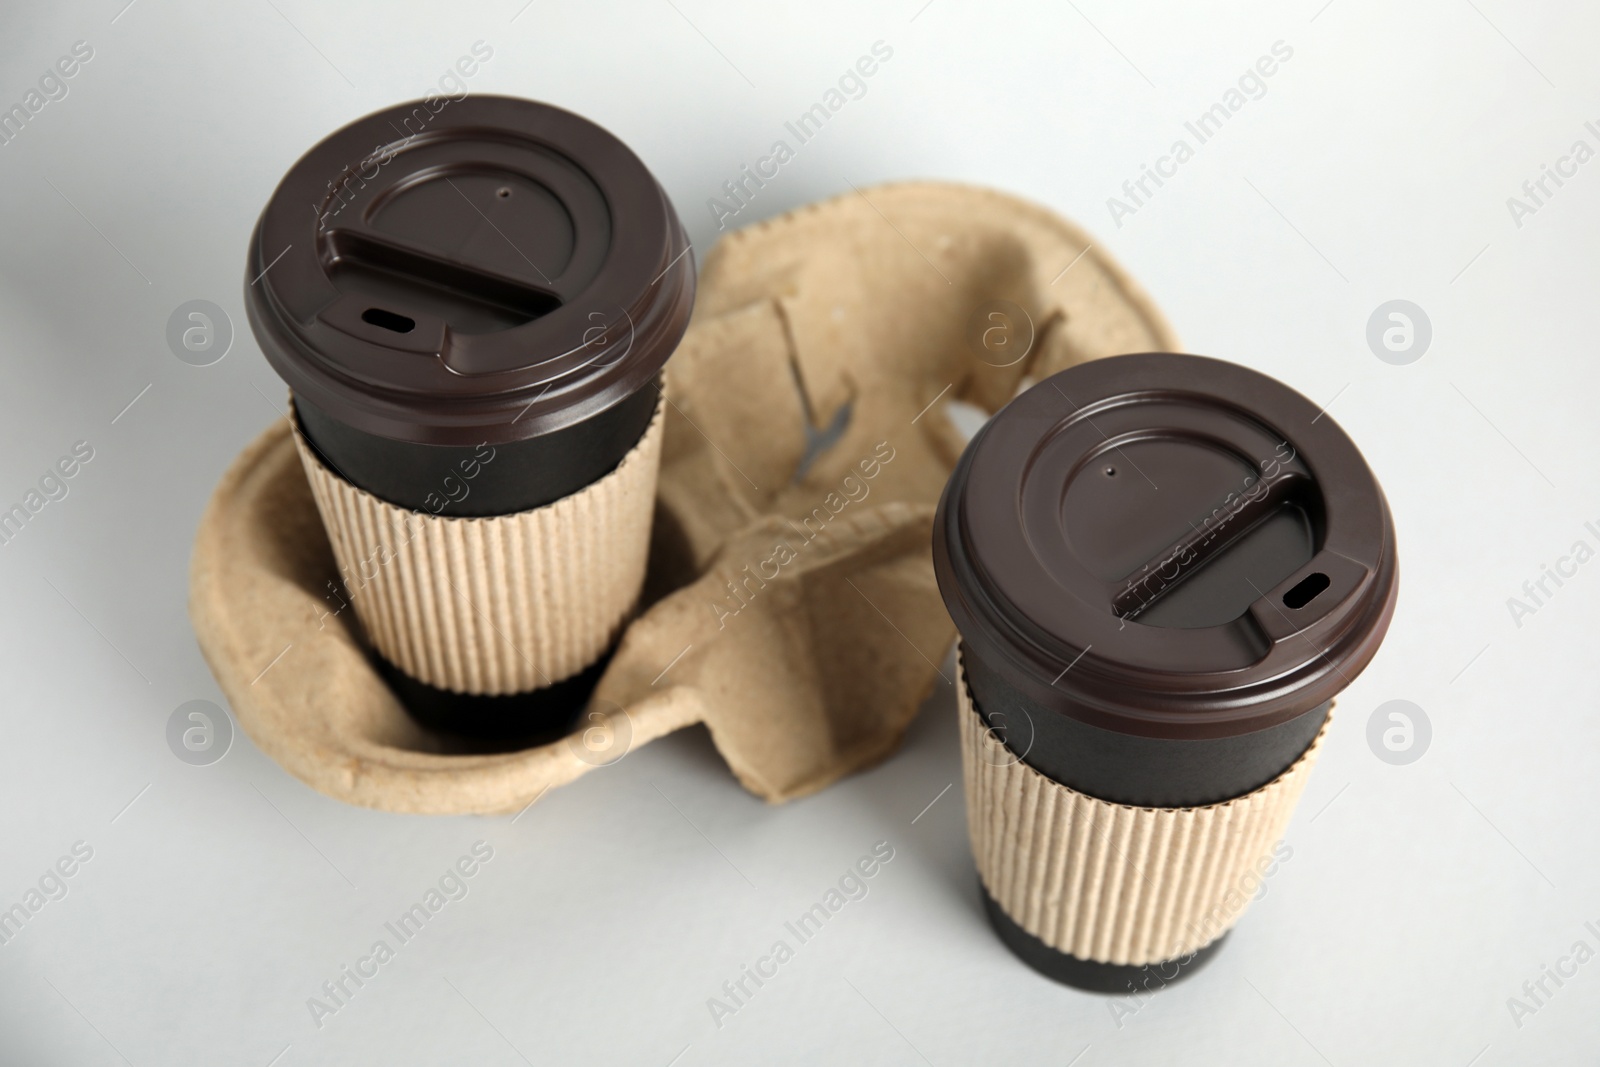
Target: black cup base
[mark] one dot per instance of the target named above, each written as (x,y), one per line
(1088,975)
(496,723)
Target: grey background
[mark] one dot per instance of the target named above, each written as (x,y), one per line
(1377,167)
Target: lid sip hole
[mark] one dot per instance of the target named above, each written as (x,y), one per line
(1111,472)
(502,192)
(388,320)
(1306,590)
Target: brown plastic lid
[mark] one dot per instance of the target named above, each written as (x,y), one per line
(458,271)
(1168,546)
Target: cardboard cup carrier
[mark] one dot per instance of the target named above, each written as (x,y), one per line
(1163,568)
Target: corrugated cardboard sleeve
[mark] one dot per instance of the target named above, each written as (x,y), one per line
(501,604)
(1109,882)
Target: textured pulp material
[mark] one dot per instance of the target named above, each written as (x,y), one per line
(792,609)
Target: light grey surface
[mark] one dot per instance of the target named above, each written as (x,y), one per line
(1376,167)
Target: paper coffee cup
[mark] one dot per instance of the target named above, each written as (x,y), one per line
(472,302)
(1163,568)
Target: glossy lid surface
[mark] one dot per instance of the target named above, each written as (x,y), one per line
(455,271)
(1167,545)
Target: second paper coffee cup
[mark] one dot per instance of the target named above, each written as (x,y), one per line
(472,302)
(1163,568)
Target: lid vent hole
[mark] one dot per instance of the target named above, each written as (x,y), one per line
(1306,590)
(388,320)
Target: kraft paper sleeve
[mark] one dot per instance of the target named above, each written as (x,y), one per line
(1109,882)
(501,604)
